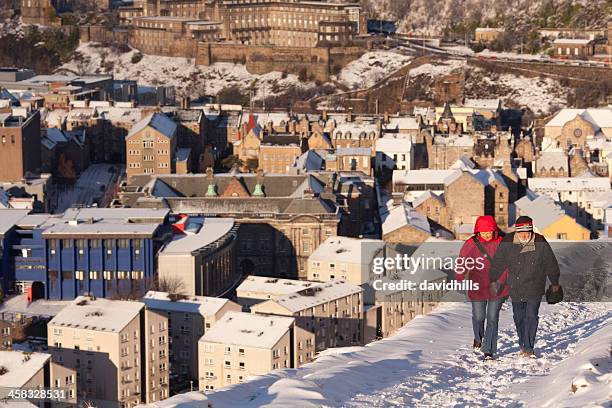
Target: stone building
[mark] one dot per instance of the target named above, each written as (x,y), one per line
(283,218)
(487,35)
(573,48)
(151,145)
(574,127)
(288,23)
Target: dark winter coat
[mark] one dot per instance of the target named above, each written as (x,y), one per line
(527,272)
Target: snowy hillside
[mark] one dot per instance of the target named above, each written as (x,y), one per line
(196,81)
(430,363)
(434,16)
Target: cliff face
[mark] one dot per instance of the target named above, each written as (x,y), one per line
(436,17)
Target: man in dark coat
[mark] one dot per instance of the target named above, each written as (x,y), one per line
(530,260)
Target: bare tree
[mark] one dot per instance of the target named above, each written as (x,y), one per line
(173,285)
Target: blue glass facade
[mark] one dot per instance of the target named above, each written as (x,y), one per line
(103,257)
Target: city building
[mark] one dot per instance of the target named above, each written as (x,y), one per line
(256,289)
(573,48)
(119,350)
(282,218)
(242,345)
(151,146)
(189,317)
(201,255)
(332,310)
(22,370)
(574,127)
(487,34)
(393,152)
(550,219)
(104,252)
(20,146)
(9,218)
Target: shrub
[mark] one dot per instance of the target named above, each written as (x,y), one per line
(136,58)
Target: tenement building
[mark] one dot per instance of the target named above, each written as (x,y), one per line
(188,319)
(119,350)
(243,345)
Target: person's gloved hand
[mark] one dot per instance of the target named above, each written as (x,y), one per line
(494,288)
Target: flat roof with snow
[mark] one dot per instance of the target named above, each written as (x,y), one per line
(315,295)
(21,367)
(203,305)
(98,315)
(348,250)
(212,230)
(257,285)
(569,183)
(248,330)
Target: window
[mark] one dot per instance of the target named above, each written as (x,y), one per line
(209,361)
(93,275)
(66,243)
(94,243)
(241,365)
(227,364)
(228,350)
(123,243)
(108,275)
(209,348)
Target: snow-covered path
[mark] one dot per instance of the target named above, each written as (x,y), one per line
(430,363)
(459,377)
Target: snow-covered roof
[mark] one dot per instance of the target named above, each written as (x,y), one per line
(552,158)
(248,330)
(575,41)
(402,123)
(314,295)
(212,229)
(463,163)
(309,161)
(97,315)
(256,286)
(569,184)
(389,143)
(10,217)
(348,250)
(425,196)
(489,30)
(203,305)
(21,367)
(542,209)
(353,151)
(463,140)
(426,176)
(355,129)
(490,104)
(272,117)
(120,115)
(601,117)
(401,216)
(157,121)
(488,176)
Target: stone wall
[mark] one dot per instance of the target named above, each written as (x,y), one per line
(313,62)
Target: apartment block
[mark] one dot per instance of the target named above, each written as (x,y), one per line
(257,289)
(19,144)
(151,145)
(242,345)
(189,317)
(119,350)
(333,311)
(24,370)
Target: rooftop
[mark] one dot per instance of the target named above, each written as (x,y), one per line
(97,314)
(248,330)
(203,305)
(212,229)
(560,184)
(158,121)
(21,367)
(397,217)
(271,286)
(314,295)
(348,250)
(9,218)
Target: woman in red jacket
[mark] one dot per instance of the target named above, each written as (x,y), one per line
(481,248)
